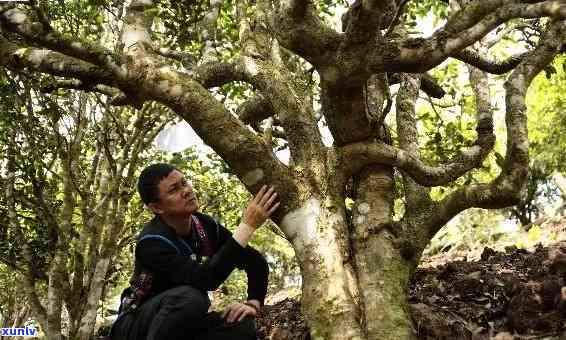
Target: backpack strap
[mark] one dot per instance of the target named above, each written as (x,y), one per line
(162,238)
(207,249)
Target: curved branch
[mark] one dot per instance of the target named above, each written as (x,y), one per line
(16,21)
(506,189)
(187,59)
(276,83)
(299,29)
(363,21)
(254,110)
(250,158)
(214,74)
(358,155)
(467,26)
(293,110)
(76,84)
(490,66)
(416,195)
(46,61)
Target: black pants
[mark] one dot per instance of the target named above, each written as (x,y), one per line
(180,313)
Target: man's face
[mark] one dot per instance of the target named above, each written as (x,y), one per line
(176,197)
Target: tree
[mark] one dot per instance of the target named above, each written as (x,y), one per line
(355,264)
(546,130)
(14,310)
(68,178)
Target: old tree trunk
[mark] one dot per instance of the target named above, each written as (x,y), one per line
(355,261)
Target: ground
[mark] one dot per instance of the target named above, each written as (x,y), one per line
(512,294)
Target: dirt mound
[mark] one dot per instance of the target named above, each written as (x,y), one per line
(512,294)
(283,321)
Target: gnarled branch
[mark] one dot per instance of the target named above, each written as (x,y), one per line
(254,110)
(490,66)
(299,29)
(466,27)
(408,139)
(358,155)
(16,21)
(214,74)
(506,189)
(17,58)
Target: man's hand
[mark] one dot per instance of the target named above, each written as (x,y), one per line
(258,210)
(261,207)
(237,312)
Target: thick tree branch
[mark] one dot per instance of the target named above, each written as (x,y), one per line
(276,83)
(299,29)
(463,29)
(490,66)
(358,155)
(417,197)
(215,74)
(251,159)
(209,31)
(16,21)
(506,189)
(292,109)
(46,61)
(363,21)
(254,110)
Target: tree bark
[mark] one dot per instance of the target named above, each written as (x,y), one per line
(355,264)
(330,294)
(88,320)
(382,272)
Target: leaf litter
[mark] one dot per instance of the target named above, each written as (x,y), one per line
(512,294)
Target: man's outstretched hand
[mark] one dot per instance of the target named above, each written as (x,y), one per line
(260,207)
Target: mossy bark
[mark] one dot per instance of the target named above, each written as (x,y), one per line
(350,294)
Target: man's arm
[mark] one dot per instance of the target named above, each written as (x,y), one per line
(257,270)
(178,269)
(255,266)
(165,262)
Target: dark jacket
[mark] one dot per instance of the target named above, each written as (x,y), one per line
(171,269)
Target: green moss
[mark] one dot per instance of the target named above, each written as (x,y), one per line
(151,12)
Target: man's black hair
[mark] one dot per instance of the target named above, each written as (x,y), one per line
(149,180)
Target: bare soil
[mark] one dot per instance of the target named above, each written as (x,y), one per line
(515,294)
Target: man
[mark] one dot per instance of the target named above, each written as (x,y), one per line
(168,298)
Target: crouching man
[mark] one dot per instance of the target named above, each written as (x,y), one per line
(180,255)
